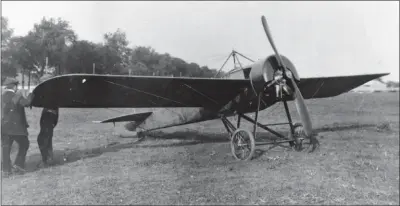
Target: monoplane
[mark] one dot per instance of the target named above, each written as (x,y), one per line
(185,100)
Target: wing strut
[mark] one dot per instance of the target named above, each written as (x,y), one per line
(244,56)
(223,65)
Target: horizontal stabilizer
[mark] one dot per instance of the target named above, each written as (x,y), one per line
(137,117)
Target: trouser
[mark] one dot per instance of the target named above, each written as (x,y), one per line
(23,146)
(45,141)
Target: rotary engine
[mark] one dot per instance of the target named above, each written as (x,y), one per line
(265,73)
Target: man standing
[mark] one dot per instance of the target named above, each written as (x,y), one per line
(14,125)
(48,122)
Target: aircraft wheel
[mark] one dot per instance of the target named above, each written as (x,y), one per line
(298,136)
(242,144)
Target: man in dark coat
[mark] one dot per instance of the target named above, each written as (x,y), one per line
(14,125)
(48,122)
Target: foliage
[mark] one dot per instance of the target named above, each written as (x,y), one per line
(51,38)
(55,40)
(7,67)
(389,84)
(81,56)
(6,32)
(392,84)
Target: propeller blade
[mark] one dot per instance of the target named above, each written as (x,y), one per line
(298,98)
(302,110)
(271,41)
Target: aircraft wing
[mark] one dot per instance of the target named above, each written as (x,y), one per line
(321,87)
(107,91)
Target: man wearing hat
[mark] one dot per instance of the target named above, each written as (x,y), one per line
(48,122)
(14,125)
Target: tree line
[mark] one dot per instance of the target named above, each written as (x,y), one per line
(52,43)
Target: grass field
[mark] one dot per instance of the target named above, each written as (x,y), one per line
(357,162)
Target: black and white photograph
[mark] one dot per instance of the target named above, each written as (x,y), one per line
(200,103)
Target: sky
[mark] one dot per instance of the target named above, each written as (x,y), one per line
(321,38)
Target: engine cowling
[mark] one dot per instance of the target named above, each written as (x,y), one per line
(265,70)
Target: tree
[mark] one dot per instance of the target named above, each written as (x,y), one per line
(116,54)
(165,65)
(141,60)
(50,38)
(180,65)
(6,32)
(7,63)
(54,39)
(194,70)
(81,56)
(23,59)
(392,84)
(206,72)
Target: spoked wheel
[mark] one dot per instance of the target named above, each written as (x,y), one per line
(298,136)
(311,140)
(242,144)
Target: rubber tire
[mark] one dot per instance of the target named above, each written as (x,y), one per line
(252,144)
(298,143)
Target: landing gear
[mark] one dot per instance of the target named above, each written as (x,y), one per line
(243,141)
(299,135)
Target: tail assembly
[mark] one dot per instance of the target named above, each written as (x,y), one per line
(162,118)
(133,120)
(137,117)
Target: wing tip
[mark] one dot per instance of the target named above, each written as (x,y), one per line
(384,74)
(379,75)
